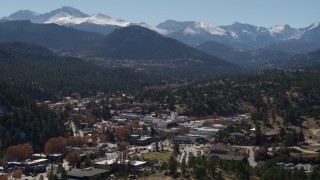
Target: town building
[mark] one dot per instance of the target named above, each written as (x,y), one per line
(204,131)
(88,173)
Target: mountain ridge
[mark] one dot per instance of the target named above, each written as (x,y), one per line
(299,60)
(193,33)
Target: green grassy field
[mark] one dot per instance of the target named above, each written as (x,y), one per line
(161,156)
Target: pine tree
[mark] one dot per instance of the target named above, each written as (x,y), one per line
(301,136)
(176,149)
(183,166)
(157,146)
(152,131)
(282,133)
(258,134)
(172,164)
(191,160)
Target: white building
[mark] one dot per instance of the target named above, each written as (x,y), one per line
(204,131)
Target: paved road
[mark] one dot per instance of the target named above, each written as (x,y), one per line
(76,132)
(251,160)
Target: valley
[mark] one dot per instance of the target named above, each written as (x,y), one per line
(95,97)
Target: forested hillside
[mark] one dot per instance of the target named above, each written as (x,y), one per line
(295,91)
(21,120)
(47,76)
(299,60)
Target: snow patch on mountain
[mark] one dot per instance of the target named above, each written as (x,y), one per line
(278,29)
(191,31)
(153,28)
(234,35)
(209,28)
(313,26)
(64,18)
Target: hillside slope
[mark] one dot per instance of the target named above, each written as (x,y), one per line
(52,36)
(44,75)
(21,120)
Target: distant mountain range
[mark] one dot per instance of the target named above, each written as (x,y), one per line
(193,33)
(136,47)
(68,30)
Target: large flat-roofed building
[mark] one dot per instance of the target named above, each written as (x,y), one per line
(204,131)
(88,173)
(105,164)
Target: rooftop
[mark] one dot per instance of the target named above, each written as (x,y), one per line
(111,161)
(87,172)
(206,129)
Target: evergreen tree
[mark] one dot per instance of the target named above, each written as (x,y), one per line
(258,134)
(301,136)
(157,146)
(315,173)
(191,160)
(212,167)
(152,131)
(282,133)
(200,172)
(176,148)
(183,166)
(172,164)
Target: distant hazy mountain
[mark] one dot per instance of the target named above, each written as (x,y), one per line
(300,60)
(309,40)
(193,33)
(136,42)
(244,36)
(257,44)
(246,58)
(218,49)
(132,42)
(72,17)
(49,35)
(170,56)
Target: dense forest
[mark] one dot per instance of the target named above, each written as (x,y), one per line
(46,76)
(21,120)
(276,91)
(214,168)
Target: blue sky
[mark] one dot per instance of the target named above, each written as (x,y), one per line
(297,13)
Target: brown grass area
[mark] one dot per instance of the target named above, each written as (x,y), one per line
(304,155)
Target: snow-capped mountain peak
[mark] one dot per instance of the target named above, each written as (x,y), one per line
(61,18)
(71,11)
(102,19)
(199,27)
(279,28)
(64,18)
(210,28)
(313,26)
